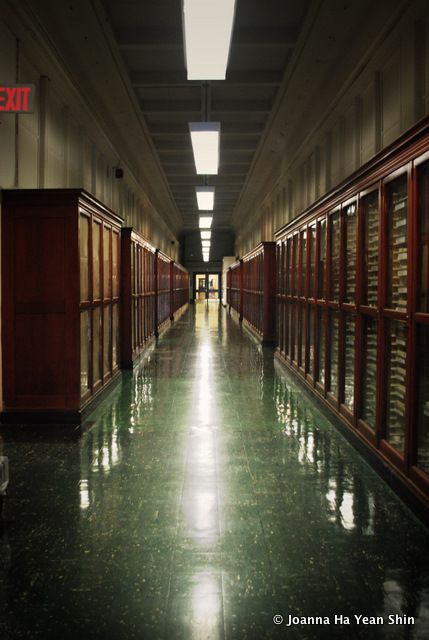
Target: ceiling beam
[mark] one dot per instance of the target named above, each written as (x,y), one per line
(170,106)
(240,106)
(174,79)
(138,39)
(183,144)
(228,128)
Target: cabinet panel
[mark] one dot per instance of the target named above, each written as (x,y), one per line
(107,340)
(96,345)
(321,327)
(423,237)
(106,263)
(397,199)
(349,360)
(350,224)
(96,260)
(395,364)
(334,231)
(333,351)
(423,398)
(84,222)
(370,252)
(85,352)
(369,371)
(321,271)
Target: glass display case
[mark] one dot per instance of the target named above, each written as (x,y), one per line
(60,282)
(365,347)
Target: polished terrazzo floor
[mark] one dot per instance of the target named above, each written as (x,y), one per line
(209,497)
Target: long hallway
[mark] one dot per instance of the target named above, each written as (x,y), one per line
(209,496)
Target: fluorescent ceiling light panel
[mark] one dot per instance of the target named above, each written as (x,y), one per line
(205,145)
(205,258)
(207,30)
(205,198)
(205,244)
(206,235)
(206,222)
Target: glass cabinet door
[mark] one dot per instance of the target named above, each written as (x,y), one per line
(322,260)
(334,230)
(321,346)
(370,255)
(397,200)
(115,264)
(106,263)
(350,222)
(303,265)
(96,261)
(423,238)
(333,351)
(396,351)
(369,371)
(423,397)
(85,352)
(312,251)
(96,345)
(84,257)
(349,360)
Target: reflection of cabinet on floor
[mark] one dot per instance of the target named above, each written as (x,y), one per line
(60,291)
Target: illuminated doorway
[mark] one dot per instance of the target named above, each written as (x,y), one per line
(207,286)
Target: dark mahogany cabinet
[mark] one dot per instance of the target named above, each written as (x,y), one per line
(138,323)
(60,303)
(352,306)
(259,291)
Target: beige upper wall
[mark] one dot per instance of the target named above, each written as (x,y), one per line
(386,95)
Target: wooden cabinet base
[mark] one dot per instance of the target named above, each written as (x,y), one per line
(67,417)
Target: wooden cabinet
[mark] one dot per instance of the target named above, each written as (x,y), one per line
(352,305)
(60,303)
(138,323)
(259,289)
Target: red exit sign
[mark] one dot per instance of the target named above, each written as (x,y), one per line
(17,98)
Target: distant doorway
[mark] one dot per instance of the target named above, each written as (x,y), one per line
(207,286)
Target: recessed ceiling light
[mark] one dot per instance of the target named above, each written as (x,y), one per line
(205,198)
(205,222)
(205,259)
(205,145)
(205,244)
(207,29)
(206,235)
